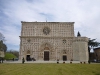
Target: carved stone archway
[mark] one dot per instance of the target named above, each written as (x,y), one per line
(28,58)
(46,51)
(28,52)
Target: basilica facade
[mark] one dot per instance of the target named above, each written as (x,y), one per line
(51,41)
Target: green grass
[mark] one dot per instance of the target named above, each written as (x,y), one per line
(9,56)
(49,69)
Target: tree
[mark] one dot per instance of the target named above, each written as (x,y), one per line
(91,44)
(3,46)
(2,37)
(78,34)
(14,52)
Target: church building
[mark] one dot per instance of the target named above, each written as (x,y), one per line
(51,41)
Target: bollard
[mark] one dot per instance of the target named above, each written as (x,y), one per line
(70,62)
(63,62)
(81,62)
(57,61)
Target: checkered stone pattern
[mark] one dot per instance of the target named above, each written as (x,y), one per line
(56,37)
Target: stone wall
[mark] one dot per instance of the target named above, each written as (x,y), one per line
(57,29)
(56,37)
(80,49)
(56,47)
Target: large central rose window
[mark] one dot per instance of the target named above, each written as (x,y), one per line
(46,30)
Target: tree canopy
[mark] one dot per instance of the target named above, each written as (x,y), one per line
(3,46)
(14,52)
(2,37)
(93,43)
(78,34)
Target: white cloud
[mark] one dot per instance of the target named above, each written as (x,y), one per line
(85,14)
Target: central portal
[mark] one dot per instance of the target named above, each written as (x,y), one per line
(28,58)
(64,58)
(46,55)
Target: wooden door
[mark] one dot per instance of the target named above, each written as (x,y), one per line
(46,55)
(64,57)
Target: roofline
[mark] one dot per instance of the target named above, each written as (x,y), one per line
(96,48)
(45,22)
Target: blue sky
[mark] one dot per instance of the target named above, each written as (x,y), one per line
(85,14)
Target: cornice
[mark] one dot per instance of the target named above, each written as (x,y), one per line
(43,37)
(48,22)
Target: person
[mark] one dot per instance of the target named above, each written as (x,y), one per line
(23,60)
(13,59)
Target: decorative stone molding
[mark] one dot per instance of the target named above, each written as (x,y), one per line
(56,37)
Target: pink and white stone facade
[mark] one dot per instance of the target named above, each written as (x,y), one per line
(55,38)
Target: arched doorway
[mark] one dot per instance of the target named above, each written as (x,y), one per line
(46,54)
(64,58)
(28,58)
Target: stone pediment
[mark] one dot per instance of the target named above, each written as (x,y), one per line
(46,48)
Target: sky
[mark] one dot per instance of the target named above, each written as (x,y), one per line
(85,14)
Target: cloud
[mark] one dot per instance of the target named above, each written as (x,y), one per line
(85,14)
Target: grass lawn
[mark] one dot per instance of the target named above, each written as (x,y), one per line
(9,56)
(49,69)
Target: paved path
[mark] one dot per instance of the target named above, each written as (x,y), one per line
(40,62)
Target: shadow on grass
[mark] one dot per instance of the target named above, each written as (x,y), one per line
(97,74)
